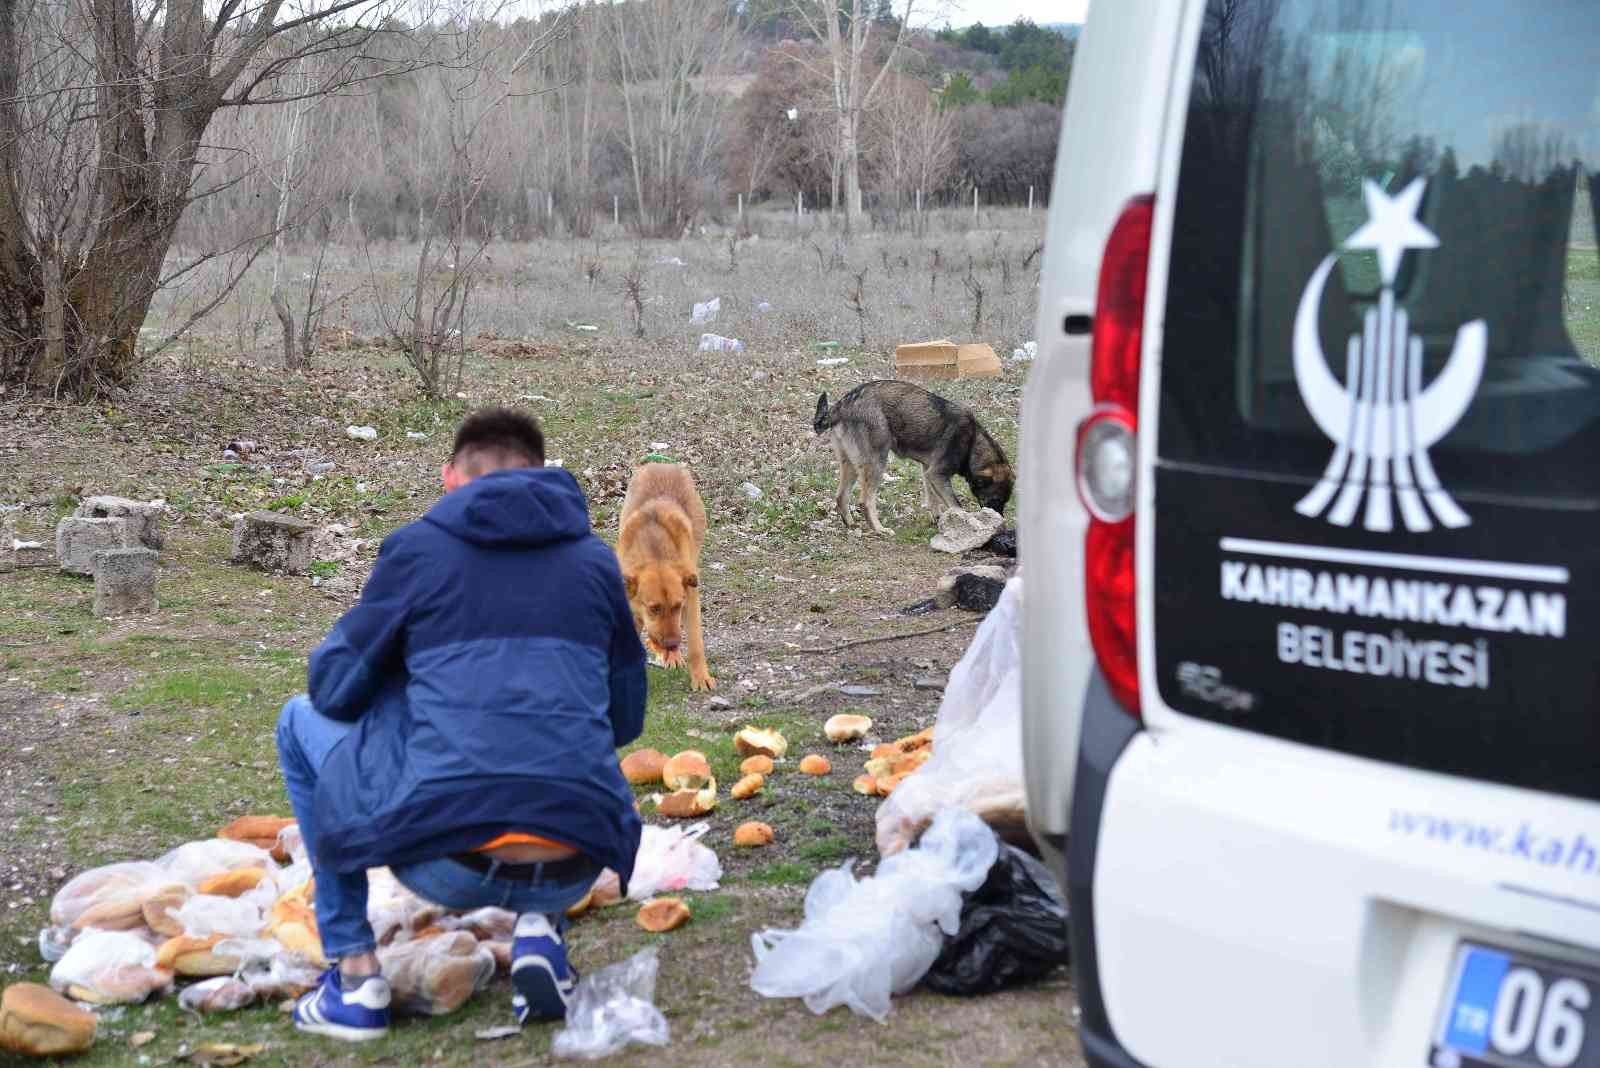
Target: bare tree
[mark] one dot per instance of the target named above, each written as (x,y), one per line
(912,143)
(847,27)
(104,107)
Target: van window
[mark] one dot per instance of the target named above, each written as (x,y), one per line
(1377,481)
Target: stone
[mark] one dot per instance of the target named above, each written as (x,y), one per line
(125,582)
(1004,543)
(978,593)
(144,517)
(927,682)
(268,541)
(78,539)
(961,531)
(8,542)
(945,596)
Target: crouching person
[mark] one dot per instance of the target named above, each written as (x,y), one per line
(462,724)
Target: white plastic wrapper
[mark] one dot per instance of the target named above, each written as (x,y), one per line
(272,974)
(863,941)
(707,312)
(204,915)
(222,994)
(107,897)
(195,862)
(612,1008)
(109,968)
(673,858)
(436,975)
(977,739)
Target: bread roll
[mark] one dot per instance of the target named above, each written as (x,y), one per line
(233,883)
(846,727)
(753,741)
(815,764)
(581,906)
(36,1021)
(686,771)
(910,762)
(259,831)
(293,922)
(607,889)
(117,912)
(687,804)
(159,908)
(885,751)
(643,766)
(195,957)
(923,739)
(756,765)
(886,785)
(747,787)
(752,834)
(864,784)
(663,914)
(501,951)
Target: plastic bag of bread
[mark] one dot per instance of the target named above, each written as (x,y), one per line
(109,968)
(222,994)
(613,1007)
(292,920)
(110,898)
(977,739)
(395,913)
(488,924)
(277,975)
(206,914)
(434,976)
(673,858)
(195,862)
(864,940)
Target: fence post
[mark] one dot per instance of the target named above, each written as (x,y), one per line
(799,205)
(550,205)
(1030,200)
(741,207)
(974,204)
(616,216)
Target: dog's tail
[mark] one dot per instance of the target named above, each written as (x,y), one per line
(824,417)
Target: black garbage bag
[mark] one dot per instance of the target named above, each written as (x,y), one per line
(1013,930)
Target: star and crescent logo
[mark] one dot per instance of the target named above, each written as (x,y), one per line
(1382,421)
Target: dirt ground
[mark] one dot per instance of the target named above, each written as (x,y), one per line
(122,739)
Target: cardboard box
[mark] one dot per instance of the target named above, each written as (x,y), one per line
(945,359)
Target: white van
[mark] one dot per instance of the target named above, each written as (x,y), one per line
(1310,520)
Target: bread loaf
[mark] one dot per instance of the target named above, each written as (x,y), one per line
(687,804)
(159,908)
(686,771)
(643,766)
(293,922)
(910,762)
(195,957)
(747,787)
(233,883)
(753,741)
(864,784)
(752,834)
(663,914)
(756,765)
(815,764)
(36,1021)
(846,727)
(260,831)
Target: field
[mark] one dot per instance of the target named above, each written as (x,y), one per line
(122,739)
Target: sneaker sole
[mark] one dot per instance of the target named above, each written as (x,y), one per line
(534,977)
(344,1032)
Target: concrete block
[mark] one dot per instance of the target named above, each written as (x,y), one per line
(268,541)
(125,582)
(77,540)
(144,518)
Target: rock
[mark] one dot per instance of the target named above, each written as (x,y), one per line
(978,593)
(961,532)
(1004,543)
(860,691)
(124,582)
(945,596)
(8,542)
(38,1022)
(143,518)
(927,682)
(751,490)
(77,540)
(268,541)
(362,433)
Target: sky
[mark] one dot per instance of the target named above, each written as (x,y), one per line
(1004,12)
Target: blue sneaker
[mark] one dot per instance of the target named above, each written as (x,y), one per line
(543,979)
(355,1015)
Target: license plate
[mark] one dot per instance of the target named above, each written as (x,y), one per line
(1506,1009)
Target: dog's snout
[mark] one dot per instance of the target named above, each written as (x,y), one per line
(669,643)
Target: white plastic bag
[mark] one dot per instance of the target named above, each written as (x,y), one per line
(672,858)
(195,862)
(437,975)
(108,897)
(707,312)
(221,994)
(864,940)
(109,968)
(274,975)
(204,915)
(977,739)
(613,1007)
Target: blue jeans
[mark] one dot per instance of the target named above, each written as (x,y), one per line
(305,738)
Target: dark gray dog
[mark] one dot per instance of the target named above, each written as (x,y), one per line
(885,416)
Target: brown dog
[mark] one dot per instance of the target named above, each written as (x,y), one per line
(663,526)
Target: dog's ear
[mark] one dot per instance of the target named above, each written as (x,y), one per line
(630,580)
(692,580)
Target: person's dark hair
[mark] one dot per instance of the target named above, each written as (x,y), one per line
(492,439)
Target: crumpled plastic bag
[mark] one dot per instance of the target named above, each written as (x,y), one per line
(204,915)
(707,312)
(221,994)
(863,941)
(977,738)
(108,897)
(1013,930)
(394,912)
(613,1007)
(274,974)
(109,968)
(434,976)
(488,924)
(673,858)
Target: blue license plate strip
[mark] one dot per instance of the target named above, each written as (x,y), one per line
(1549,1020)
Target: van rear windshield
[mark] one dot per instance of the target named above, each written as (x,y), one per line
(1444,155)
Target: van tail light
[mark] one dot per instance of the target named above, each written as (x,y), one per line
(1107,450)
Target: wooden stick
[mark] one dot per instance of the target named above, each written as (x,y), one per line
(885,638)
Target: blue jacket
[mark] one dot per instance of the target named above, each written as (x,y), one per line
(492,667)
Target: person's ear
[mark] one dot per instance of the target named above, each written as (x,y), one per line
(451,477)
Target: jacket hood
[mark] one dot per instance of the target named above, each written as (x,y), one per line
(520,507)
